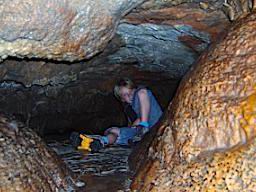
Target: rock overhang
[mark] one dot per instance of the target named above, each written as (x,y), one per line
(59,30)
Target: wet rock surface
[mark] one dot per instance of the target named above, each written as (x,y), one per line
(108,161)
(106,170)
(59,30)
(208,140)
(26,163)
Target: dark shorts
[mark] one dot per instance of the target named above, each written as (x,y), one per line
(126,133)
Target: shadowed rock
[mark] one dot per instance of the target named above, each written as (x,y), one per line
(26,164)
(214,110)
(60,30)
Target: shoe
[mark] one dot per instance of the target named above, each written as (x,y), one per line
(75,139)
(137,138)
(96,145)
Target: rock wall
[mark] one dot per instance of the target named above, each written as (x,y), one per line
(26,163)
(60,30)
(168,35)
(208,142)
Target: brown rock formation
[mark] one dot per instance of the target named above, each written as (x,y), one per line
(211,20)
(237,8)
(234,9)
(229,171)
(60,30)
(26,164)
(212,115)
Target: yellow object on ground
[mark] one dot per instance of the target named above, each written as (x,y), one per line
(86,142)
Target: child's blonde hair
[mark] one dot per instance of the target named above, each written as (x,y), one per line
(124,82)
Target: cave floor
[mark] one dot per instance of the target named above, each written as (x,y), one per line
(106,170)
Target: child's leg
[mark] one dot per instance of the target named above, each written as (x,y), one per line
(111,138)
(112,134)
(126,134)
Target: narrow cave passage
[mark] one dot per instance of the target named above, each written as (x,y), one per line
(86,104)
(52,91)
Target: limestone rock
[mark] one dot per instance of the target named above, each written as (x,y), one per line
(214,111)
(230,171)
(167,37)
(235,9)
(157,48)
(214,108)
(26,164)
(59,30)
(212,21)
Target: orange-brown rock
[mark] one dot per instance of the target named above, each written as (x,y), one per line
(229,171)
(211,21)
(232,8)
(209,142)
(60,29)
(237,8)
(26,164)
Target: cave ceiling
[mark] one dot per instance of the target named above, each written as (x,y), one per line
(71,51)
(158,36)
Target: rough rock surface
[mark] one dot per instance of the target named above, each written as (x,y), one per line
(214,111)
(106,170)
(229,171)
(238,8)
(168,36)
(209,19)
(234,9)
(59,30)
(159,48)
(26,163)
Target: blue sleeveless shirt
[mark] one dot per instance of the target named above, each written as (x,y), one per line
(155,110)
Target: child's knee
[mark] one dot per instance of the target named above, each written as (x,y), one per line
(112,138)
(113,130)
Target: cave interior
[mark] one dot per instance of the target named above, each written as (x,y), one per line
(155,44)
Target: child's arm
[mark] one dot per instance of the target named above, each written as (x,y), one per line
(144,105)
(136,122)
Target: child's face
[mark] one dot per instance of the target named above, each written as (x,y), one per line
(126,94)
